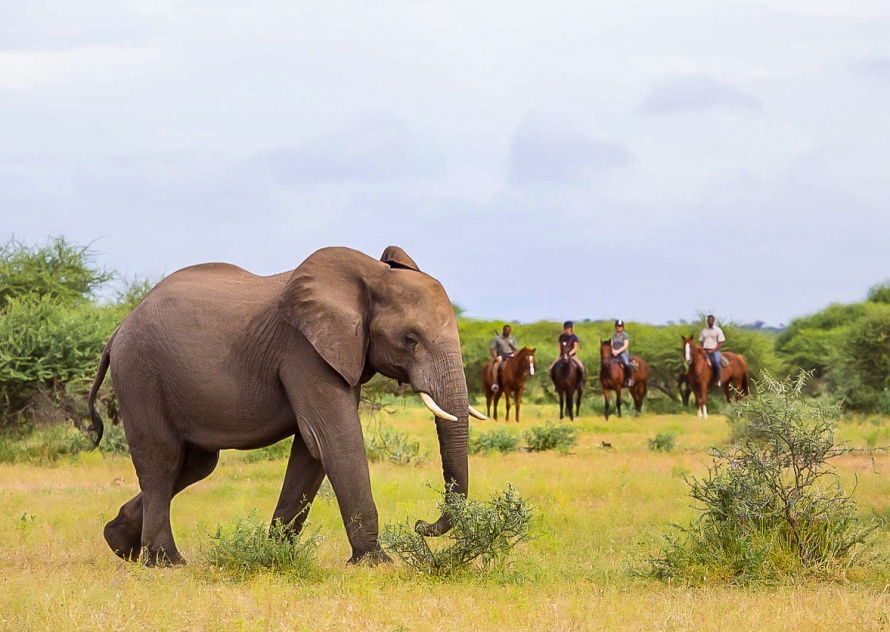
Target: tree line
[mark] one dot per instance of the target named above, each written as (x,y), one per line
(58,308)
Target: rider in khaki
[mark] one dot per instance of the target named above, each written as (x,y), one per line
(712,339)
(502,347)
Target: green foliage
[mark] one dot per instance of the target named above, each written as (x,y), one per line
(387,445)
(51,334)
(52,444)
(251,548)
(59,271)
(482,533)
(499,440)
(663,442)
(771,505)
(275,452)
(880,293)
(551,437)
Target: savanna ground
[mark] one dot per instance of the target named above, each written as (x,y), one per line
(601,513)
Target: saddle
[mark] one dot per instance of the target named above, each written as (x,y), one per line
(724,361)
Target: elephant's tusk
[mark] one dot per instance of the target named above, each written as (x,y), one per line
(475,413)
(430,403)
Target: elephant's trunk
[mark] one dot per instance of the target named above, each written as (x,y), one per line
(453,440)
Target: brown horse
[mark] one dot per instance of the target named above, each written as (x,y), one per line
(569,380)
(612,377)
(511,379)
(700,374)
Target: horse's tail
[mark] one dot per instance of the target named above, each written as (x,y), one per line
(97,428)
(744,390)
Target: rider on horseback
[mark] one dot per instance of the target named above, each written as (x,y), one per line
(712,339)
(568,343)
(620,344)
(502,347)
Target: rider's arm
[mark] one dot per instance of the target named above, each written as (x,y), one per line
(621,349)
(574,350)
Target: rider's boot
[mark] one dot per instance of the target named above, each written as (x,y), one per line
(628,375)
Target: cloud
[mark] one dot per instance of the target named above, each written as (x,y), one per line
(370,151)
(696,92)
(875,68)
(551,153)
(55,25)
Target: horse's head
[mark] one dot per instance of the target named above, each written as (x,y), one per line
(605,350)
(526,359)
(690,349)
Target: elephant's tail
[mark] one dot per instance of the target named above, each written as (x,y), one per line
(97,428)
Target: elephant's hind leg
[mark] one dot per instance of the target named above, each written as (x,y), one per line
(124,533)
(302,479)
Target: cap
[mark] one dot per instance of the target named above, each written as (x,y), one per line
(619,323)
(568,324)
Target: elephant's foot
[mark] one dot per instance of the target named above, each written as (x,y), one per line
(124,537)
(162,558)
(373,557)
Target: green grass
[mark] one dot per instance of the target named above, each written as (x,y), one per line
(600,515)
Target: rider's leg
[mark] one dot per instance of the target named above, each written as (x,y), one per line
(628,369)
(718,370)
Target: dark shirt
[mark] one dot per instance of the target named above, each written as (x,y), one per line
(567,341)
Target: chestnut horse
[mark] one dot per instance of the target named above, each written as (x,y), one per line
(511,379)
(612,377)
(700,373)
(569,381)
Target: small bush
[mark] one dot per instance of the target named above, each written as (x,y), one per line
(770,506)
(551,437)
(663,442)
(482,533)
(387,445)
(251,548)
(275,452)
(500,440)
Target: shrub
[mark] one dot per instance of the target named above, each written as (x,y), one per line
(482,533)
(551,437)
(385,444)
(663,442)
(251,547)
(770,504)
(275,452)
(500,440)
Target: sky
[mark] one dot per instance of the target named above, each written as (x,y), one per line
(644,160)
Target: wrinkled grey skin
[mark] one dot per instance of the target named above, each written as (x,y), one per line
(215,357)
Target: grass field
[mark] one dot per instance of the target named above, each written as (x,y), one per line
(600,514)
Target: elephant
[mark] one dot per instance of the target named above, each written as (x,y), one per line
(215,357)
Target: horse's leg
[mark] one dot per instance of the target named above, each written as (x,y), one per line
(726,390)
(506,402)
(578,393)
(618,397)
(570,397)
(487,401)
(606,399)
(497,398)
(517,398)
(560,403)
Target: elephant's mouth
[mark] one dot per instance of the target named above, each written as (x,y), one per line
(434,408)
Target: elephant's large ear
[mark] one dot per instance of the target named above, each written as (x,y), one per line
(395,257)
(327,299)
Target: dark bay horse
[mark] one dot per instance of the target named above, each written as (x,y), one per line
(511,380)
(569,380)
(612,377)
(700,373)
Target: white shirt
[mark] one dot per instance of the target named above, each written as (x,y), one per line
(710,337)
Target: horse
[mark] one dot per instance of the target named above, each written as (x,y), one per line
(513,371)
(612,377)
(699,373)
(569,381)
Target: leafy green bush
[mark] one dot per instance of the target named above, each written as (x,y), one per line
(483,533)
(500,440)
(551,437)
(275,452)
(770,506)
(385,444)
(663,442)
(251,548)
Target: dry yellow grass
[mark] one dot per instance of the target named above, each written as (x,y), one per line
(600,512)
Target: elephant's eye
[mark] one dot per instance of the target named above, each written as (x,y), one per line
(411,341)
